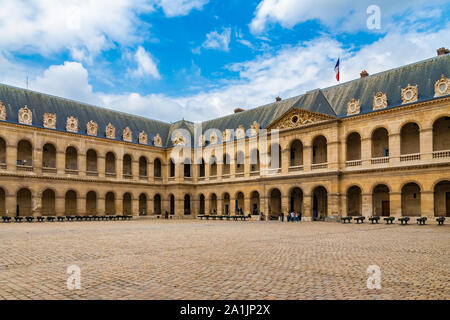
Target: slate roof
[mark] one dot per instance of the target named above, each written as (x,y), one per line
(331,101)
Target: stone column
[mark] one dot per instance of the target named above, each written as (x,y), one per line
(81,205)
(285,160)
(60,162)
(135,169)
(151,171)
(207,205)
(81,164)
(11,158)
(394,148)
(11,204)
(247,205)
(427,204)
(101,166)
(284,204)
(307,157)
(333,204)
(426,144)
(119,205)
(265,205)
(396,204)
(307,213)
(344,207)
(135,207)
(36,203)
(119,167)
(219,205)
(366,151)
(60,207)
(37,160)
(101,210)
(367,202)
(333,155)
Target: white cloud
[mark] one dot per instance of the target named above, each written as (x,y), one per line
(346,15)
(70,80)
(145,65)
(291,71)
(173,8)
(218,41)
(83,28)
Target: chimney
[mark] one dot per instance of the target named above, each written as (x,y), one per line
(278,99)
(442,51)
(237,110)
(364,74)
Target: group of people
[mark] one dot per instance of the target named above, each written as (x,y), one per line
(292,216)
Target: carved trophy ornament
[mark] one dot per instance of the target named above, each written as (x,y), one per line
(179,139)
(409,94)
(25,116)
(50,120)
(110,131)
(240,132)
(157,141)
(72,124)
(442,87)
(127,135)
(2,111)
(143,137)
(379,101)
(254,129)
(353,107)
(92,128)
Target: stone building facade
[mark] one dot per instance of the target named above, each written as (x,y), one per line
(378,145)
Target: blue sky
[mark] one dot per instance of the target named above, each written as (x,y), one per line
(200,59)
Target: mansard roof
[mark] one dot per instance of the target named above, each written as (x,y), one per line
(14,99)
(332,101)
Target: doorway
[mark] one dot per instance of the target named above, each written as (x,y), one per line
(385,208)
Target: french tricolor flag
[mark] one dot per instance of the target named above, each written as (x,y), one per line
(336,69)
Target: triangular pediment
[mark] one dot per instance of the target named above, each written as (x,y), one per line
(295,118)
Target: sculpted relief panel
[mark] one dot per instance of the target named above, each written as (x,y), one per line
(50,120)
(297,118)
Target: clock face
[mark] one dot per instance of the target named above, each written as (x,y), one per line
(352,107)
(443,87)
(408,95)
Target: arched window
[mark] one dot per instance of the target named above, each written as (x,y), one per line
(143,167)
(24,153)
(319,150)
(127,166)
(142,204)
(2,152)
(71,203)
(49,156)
(172,168)
(110,163)
(226,164)
(354,201)
(254,160)
(71,159)
(296,153)
(127,206)
(240,159)
(441,134)
(380,143)
(91,203)
(91,161)
(48,203)
(157,204)
(353,146)
(110,203)
(24,203)
(157,168)
(172,204)
(187,204)
(410,139)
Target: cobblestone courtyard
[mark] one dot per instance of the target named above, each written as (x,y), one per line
(148,259)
